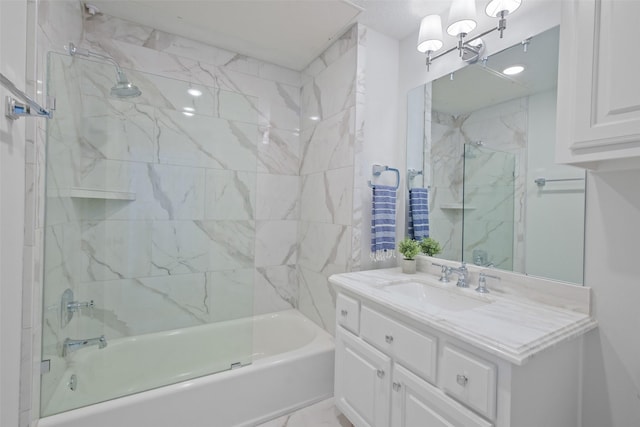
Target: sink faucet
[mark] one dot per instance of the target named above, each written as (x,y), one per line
(482,282)
(445,272)
(69,345)
(463,275)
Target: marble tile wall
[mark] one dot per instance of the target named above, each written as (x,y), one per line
(213,231)
(328,142)
(246,206)
(500,211)
(215,191)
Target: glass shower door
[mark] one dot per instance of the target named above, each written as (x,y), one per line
(488,201)
(149,235)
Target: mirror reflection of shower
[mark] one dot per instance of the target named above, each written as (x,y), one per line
(123,87)
(470,149)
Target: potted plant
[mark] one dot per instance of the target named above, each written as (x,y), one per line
(409,248)
(429,246)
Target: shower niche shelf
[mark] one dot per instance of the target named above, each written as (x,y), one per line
(94,193)
(456,206)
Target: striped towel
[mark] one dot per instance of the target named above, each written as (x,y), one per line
(418,213)
(383,223)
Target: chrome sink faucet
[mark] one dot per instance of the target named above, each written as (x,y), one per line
(463,275)
(69,345)
(445,272)
(482,282)
(462,272)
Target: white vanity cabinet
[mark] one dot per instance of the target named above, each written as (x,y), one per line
(392,371)
(598,122)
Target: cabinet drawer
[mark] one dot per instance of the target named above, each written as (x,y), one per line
(416,403)
(412,349)
(469,379)
(348,313)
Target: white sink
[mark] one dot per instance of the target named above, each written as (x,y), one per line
(446,299)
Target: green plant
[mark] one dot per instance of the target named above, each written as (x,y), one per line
(429,246)
(409,248)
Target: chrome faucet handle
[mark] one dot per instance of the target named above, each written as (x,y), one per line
(482,282)
(445,271)
(463,275)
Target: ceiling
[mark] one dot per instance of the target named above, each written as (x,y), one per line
(290,33)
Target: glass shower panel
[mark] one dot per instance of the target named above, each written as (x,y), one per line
(488,201)
(149,235)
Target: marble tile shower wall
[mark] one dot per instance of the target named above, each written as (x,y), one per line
(501,127)
(328,141)
(255,103)
(214,223)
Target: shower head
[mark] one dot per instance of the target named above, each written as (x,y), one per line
(123,87)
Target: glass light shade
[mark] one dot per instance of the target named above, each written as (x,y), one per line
(430,38)
(496,6)
(462,17)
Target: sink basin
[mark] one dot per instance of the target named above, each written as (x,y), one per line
(424,294)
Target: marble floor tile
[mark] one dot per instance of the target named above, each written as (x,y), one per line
(322,414)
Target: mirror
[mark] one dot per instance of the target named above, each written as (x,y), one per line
(483,144)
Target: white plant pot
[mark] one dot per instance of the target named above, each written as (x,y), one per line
(409,266)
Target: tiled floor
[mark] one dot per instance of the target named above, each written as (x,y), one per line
(322,414)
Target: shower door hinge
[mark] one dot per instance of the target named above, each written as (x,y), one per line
(45,366)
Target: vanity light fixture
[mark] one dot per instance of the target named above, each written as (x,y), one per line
(462,20)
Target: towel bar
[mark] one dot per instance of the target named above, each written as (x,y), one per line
(377,170)
(542,181)
(15,109)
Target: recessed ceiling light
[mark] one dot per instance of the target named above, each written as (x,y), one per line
(314,118)
(194,92)
(188,114)
(189,109)
(510,71)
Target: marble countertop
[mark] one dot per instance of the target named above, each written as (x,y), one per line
(512,327)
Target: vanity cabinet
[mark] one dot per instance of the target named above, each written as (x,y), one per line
(598,123)
(392,371)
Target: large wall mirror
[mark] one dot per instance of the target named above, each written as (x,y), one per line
(483,143)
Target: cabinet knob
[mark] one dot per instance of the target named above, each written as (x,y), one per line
(344,312)
(462,380)
(396,386)
(388,338)
(380,373)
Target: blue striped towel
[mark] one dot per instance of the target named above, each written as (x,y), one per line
(418,213)
(383,223)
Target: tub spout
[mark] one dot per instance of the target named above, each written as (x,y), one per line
(69,345)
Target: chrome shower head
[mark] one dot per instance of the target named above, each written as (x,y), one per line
(123,87)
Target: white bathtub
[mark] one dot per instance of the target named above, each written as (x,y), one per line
(292,367)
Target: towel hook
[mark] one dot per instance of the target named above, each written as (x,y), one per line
(377,170)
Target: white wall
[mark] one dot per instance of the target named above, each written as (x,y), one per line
(611,390)
(13,24)
(380,145)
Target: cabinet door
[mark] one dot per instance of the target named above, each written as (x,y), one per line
(362,381)
(598,85)
(416,403)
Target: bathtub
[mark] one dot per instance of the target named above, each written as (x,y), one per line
(292,367)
